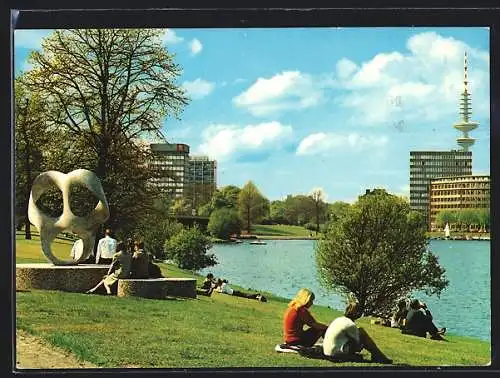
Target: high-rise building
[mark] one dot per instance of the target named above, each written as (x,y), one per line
(171,160)
(201,180)
(460,192)
(428,165)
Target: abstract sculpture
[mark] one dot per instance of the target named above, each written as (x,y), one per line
(84,227)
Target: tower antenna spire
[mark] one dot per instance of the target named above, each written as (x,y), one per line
(465,125)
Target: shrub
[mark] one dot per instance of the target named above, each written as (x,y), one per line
(310,226)
(378,252)
(188,249)
(154,234)
(224,222)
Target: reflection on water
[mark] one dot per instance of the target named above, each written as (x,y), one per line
(284,266)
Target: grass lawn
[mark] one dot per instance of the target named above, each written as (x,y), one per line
(280,230)
(211,332)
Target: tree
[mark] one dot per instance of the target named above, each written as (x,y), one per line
(108,88)
(277,212)
(224,222)
(468,217)
(33,135)
(299,209)
(444,217)
(251,204)
(484,218)
(318,197)
(378,252)
(188,249)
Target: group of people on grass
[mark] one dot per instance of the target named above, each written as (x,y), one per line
(210,284)
(343,339)
(128,260)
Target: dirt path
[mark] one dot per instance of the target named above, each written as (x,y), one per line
(34,353)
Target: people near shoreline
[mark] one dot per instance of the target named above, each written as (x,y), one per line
(119,268)
(106,248)
(398,319)
(297,316)
(343,339)
(140,261)
(222,286)
(419,322)
(208,286)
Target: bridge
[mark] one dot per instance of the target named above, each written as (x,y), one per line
(191,220)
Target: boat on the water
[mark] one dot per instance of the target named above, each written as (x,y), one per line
(258,242)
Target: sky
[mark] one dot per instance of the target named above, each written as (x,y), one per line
(295,109)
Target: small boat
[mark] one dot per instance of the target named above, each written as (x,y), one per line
(237,241)
(258,242)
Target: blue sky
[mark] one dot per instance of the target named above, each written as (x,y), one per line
(295,109)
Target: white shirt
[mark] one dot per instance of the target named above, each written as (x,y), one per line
(338,334)
(225,288)
(106,248)
(77,249)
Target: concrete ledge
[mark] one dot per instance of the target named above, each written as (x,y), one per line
(157,288)
(72,278)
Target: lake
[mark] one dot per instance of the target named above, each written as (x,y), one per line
(282,267)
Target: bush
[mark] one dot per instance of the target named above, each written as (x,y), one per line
(378,252)
(155,233)
(188,249)
(224,222)
(310,226)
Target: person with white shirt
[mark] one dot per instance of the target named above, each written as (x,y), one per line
(344,339)
(106,248)
(223,287)
(77,249)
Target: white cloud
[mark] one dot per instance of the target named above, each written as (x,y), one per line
(322,143)
(170,37)
(198,88)
(30,39)
(221,141)
(284,91)
(195,46)
(420,85)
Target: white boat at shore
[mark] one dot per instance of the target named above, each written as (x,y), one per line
(258,242)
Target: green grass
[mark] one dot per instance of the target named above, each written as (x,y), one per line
(211,332)
(280,230)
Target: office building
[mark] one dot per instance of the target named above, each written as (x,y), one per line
(456,193)
(201,180)
(171,160)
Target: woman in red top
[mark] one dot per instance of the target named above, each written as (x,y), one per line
(296,316)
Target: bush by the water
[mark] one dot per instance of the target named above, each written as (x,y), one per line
(378,251)
(155,232)
(224,222)
(188,249)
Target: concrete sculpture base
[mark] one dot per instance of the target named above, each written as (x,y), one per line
(157,288)
(75,278)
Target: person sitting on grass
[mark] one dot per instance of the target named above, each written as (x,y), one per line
(419,322)
(398,319)
(297,316)
(222,286)
(344,340)
(207,287)
(119,268)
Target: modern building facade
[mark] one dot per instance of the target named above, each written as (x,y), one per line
(201,180)
(171,160)
(460,192)
(428,165)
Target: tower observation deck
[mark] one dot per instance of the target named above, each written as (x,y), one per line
(465,125)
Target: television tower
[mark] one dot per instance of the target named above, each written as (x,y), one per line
(465,125)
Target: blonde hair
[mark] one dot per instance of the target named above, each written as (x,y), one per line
(301,299)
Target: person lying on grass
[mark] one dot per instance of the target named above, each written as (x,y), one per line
(343,339)
(297,316)
(119,268)
(223,287)
(419,322)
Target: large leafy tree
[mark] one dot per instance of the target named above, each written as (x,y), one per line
(107,88)
(33,136)
(378,252)
(318,197)
(224,222)
(252,205)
